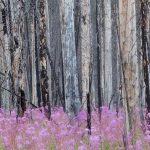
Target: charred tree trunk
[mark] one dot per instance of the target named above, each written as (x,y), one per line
(98,21)
(88,114)
(144,49)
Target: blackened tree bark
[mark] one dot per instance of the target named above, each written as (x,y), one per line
(98,21)
(144,48)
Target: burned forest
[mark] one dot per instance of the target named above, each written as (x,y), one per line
(75,74)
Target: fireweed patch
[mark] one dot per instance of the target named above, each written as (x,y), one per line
(35,132)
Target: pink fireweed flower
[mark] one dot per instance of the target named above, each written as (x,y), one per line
(30,130)
(43,133)
(113,123)
(94,139)
(40,146)
(81,115)
(148,115)
(82,147)
(138,145)
(19,139)
(104,109)
(34,138)
(147,138)
(20,146)
(27,142)
(147,132)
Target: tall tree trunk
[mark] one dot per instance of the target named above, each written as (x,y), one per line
(98,30)
(43,60)
(85,47)
(144,50)
(55,50)
(37,54)
(7,57)
(32,36)
(69,57)
(115,56)
(107,53)
(129,60)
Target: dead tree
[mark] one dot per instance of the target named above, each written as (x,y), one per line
(71,89)
(21,103)
(98,20)
(144,50)
(88,114)
(43,56)
(37,54)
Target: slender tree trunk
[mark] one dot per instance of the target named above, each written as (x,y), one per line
(85,47)
(39,94)
(107,53)
(98,21)
(115,57)
(144,48)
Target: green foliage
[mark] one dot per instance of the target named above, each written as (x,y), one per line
(1,147)
(104,145)
(52,147)
(76,147)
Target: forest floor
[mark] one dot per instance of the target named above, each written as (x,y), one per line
(35,132)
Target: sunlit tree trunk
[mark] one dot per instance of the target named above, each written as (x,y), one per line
(85,47)
(32,43)
(106,57)
(129,60)
(107,53)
